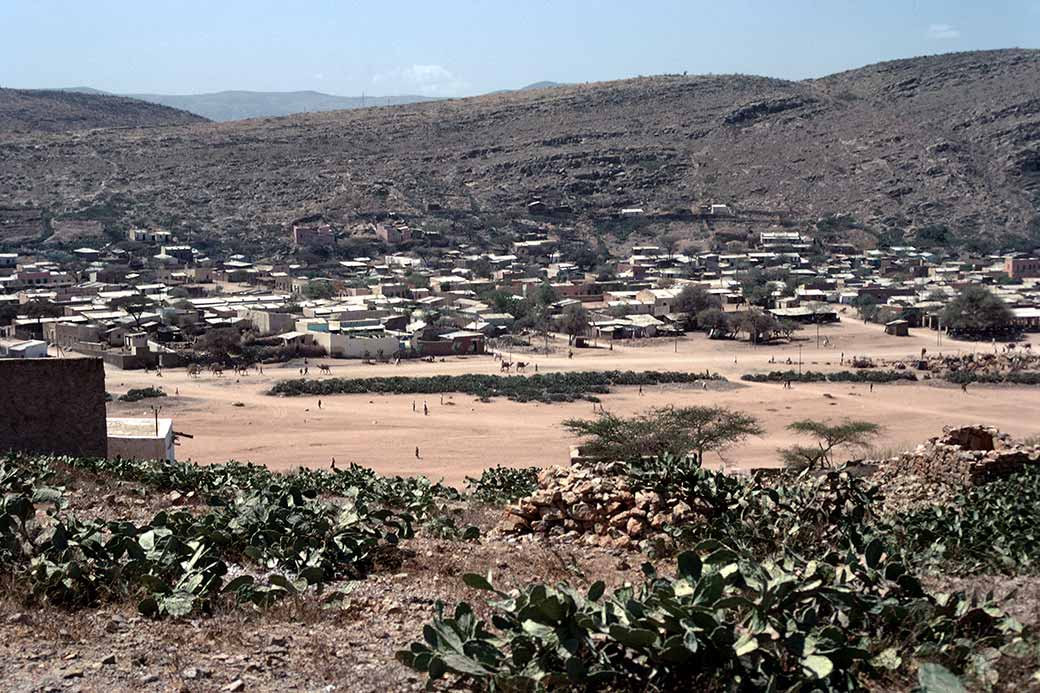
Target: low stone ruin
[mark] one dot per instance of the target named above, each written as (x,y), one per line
(594,502)
(961,457)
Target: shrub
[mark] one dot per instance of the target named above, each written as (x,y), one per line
(499,485)
(137,394)
(836,377)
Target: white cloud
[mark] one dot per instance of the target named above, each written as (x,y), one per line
(943,32)
(430,80)
(319,76)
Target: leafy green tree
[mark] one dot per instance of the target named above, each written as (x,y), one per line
(760,326)
(829,437)
(574,322)
(867,307)
(319,289)
(482,267)
(716,322)
(545,295)
(693,300)
(977,313)
(417,279)
(675,431)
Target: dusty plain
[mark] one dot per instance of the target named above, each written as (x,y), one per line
(232,417)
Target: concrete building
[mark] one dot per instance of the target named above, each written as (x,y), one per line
(141,439)
(1022,267)
(149,236)
(393,234)
(349,346)
(313,235)
(28,349)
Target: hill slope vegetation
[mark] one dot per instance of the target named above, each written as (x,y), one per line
(933,150)
(32,110)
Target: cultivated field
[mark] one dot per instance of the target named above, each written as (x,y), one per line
(463,435)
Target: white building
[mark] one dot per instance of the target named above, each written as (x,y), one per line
(29,349)
(141,439)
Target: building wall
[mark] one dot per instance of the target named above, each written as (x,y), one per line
(140,449)
(343,346)
(53,406)
(268,322)
(1018,268)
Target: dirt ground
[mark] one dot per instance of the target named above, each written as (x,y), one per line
(232,418)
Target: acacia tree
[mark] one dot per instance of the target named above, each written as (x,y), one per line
(977,312)
(829,437)
(674,431)
(135,306)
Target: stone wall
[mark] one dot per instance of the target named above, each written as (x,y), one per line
(53,406)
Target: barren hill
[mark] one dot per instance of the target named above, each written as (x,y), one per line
(31,110)
(926,148)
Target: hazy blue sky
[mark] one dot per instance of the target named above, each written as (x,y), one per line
(456,47)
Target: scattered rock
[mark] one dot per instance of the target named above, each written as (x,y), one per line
(592,503)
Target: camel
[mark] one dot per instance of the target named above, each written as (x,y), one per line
(194,370)
(217,370)
(324,370)
(506,365)
(520,366)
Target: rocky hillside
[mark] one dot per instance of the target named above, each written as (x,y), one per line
(25,111)
(931,149)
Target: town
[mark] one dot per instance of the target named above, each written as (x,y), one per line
(164,304)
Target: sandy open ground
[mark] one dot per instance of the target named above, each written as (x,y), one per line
(462,436)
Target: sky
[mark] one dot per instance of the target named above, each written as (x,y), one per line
(465,47)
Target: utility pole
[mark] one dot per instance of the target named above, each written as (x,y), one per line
(156,410)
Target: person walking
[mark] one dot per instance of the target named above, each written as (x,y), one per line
(413,406)
(319,404)
(417,452)
(425,408)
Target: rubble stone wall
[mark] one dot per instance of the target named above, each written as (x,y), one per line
(53,406)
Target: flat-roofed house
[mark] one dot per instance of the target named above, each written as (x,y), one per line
(141,439)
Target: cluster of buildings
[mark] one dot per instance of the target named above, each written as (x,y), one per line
(147,310)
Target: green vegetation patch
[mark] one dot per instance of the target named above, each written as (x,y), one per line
(543,387)
(863,376)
